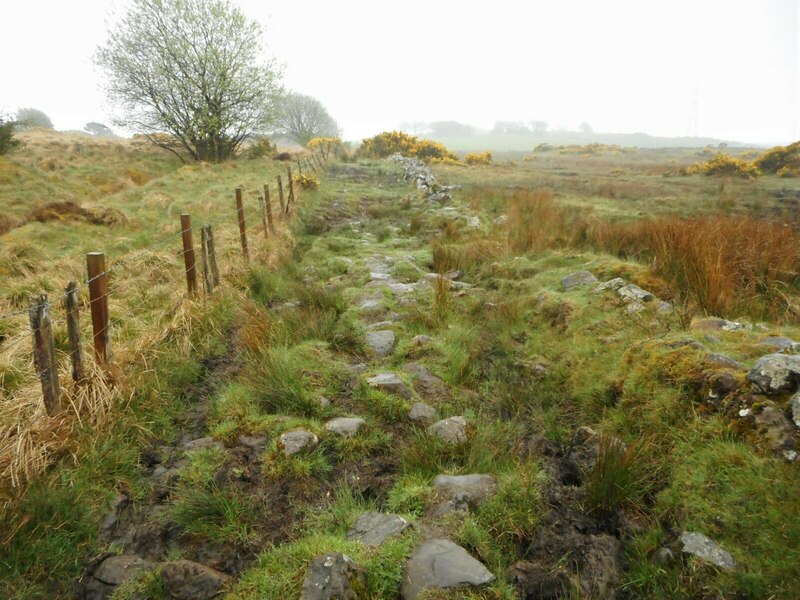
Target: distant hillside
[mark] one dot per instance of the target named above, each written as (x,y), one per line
(525,142)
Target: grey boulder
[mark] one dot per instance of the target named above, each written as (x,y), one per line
(577,279)
(295,441)
(422,412)
(701,546)
(450,431)
(438,564)
(374,528)
(334,576)
(344,426)
(381,342)
(475,487)
(116,569)
(794,405)
(775,374)
(391,383)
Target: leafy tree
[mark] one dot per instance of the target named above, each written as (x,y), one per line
(539,126)
(190,76)
(513,127)
(451,129)
(585,128)
(303,118)
(98,129)
(33,117)
(7,140)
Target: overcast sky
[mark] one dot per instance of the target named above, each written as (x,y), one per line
(620,65)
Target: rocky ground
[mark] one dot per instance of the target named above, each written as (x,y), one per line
(448,491)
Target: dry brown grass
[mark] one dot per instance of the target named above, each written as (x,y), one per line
(536,221)
(151,316)
(727,265)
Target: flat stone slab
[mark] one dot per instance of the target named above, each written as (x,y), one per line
(116,569)
(778,342)
(707,550)
(345,426)
(187,580)
(426,383)
(422,412)
(334,576)
(452,430)
(476,487)
(611,284)
(391,383)
(381,342)
(720,360)
(296,441)
(438,564)
(577,279)
(633,293)
(717,324)
(421,340)
(374,528)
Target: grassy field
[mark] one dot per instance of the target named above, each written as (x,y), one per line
(525,362)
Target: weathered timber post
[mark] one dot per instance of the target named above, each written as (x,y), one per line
(204,254)
(74,333)
(98,297)
(280,195)
(242,225)
(44,354)
(263,210)
(212,257)
(188,254)
(291,190)
(299,167)
(268,202)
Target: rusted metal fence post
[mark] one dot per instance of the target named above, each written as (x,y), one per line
(280,195)
(188,254)
(98,297)
(212,257)
(74,333)
(268,202)
(204,254)
(44,354)
(290,199)
(242,225)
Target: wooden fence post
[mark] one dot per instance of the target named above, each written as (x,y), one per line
(212,257)
(310,163)
(204,254)
(98,297)
(263,210)
(268,202)
(74,333)
(242,225)
(299,167)
(188,254)
(280,194)
(291,190)
(44,353)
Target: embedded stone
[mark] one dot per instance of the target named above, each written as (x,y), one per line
(441,564)
(344,426)
(188,580)
(334,576)
(706,550)
(390,383)
(775,374)
(296,441)
(374,528)
(451,431)
(381,342)
(421,412)
(577,279)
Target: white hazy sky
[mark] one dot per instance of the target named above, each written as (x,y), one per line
(621,65)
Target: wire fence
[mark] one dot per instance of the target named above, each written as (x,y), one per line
(41,314)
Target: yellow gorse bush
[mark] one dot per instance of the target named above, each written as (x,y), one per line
(478,158)
(725,164)
(326,146)
(387,143)
(307,182)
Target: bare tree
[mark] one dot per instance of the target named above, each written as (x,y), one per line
(191,76)
(303,118)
